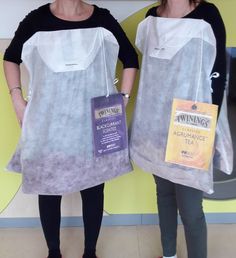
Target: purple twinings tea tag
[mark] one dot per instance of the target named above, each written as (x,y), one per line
(109,124)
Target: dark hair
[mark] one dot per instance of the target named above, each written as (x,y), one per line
(164,2)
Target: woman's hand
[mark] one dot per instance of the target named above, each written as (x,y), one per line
(126,100)
(12,73)
(19,105)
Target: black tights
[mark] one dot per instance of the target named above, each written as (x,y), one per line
(50,215)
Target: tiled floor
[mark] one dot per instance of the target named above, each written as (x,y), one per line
(114,242)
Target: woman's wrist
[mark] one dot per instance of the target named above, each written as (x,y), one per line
(125,95)
(126,98)
(16,89)
(18,99)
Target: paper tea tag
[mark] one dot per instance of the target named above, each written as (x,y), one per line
(191,134)
(109,124)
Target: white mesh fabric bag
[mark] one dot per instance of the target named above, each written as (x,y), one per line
(67,69)
(178,56)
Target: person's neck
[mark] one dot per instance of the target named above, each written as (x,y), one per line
(68,8)
(177,8)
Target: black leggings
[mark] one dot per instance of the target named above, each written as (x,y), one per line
(50,215)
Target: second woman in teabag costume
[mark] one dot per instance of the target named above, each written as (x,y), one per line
(183,48)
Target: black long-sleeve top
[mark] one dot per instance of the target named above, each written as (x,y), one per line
(210,14)
(42,19)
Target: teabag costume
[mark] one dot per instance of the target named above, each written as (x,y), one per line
(178,57)
(224,153)
(67,68)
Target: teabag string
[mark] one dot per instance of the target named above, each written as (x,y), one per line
(213,75)
(116,80)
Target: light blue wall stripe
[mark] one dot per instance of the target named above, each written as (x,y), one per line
(113,220)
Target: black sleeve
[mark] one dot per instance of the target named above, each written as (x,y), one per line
(127,53)
(152,12)
(23,32)
(218,84)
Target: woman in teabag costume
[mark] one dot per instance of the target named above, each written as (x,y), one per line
(70,49)
(183,48)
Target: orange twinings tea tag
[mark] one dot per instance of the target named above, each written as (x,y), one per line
(191,134)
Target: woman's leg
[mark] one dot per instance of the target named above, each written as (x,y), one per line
(92,200)
(189,202)
(50,216)
(167,208)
